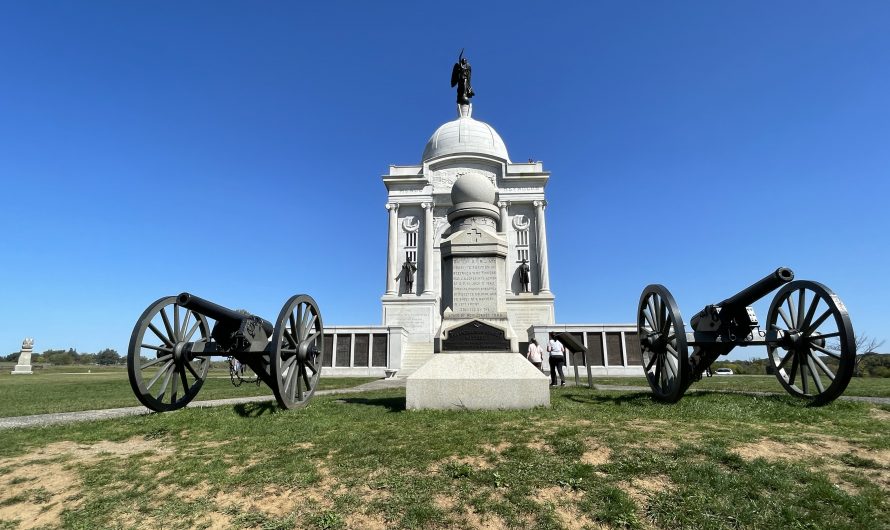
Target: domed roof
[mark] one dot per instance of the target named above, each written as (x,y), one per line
(465,135)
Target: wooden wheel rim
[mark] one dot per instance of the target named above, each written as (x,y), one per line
(811,322)
(666,357)
(160,337)
(297,351)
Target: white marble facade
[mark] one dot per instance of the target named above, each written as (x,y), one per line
(419,197)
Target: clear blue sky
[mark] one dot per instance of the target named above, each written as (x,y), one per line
(234,149)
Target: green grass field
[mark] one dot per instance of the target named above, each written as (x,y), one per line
(593,460)
(859,386)
(72,388)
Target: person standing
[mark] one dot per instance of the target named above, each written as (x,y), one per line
(557,360)
(535,355)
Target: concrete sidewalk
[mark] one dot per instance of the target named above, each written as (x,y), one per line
(43,420)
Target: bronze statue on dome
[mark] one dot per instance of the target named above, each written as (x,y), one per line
(460,77)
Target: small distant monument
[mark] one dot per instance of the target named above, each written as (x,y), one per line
(24,364)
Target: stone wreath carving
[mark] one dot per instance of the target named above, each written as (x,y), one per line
(410,224)
(521,222)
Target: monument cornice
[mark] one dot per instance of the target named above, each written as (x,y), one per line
(434,163)
(394,183)
(523,198)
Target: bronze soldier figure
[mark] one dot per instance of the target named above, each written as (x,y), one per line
(524,276)
(408,269)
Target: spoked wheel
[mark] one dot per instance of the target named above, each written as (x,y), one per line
(298,351)
(163,372)
(817,353)
(663,343)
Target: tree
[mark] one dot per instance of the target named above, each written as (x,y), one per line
(86,358)
(107,357)
(59,357)
(864,346)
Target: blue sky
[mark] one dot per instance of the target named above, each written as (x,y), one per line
(234,150)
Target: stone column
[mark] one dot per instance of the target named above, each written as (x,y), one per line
(392,249)
(502,226)
(428,229)
(543,271)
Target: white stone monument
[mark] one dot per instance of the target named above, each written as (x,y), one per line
(418,203)
(24,364)
(479,366)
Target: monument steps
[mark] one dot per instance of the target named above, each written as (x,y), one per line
(415,355)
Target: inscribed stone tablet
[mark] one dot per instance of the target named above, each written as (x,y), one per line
(476,336)
(475,285)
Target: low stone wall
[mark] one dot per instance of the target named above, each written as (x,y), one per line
(612,349)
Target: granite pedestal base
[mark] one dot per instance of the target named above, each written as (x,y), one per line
(477,381)
(22,369)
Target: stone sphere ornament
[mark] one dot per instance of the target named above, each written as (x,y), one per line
(473,196)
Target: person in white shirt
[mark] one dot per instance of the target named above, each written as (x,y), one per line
(535,355)
(557,360)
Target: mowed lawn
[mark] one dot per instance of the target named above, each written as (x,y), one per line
(592,460)
(859,386)
(74,388)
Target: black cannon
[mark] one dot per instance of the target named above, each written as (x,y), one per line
(807,334)
(173,342)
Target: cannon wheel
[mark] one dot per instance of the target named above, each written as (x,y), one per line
(815,324)
(170,377)
(298,352)
(663,343)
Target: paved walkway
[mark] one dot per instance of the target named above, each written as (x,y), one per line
(43,420)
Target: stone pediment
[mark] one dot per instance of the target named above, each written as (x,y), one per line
(474,236)
(475,240)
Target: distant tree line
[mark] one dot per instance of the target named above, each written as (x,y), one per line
(867,365)
(70,356)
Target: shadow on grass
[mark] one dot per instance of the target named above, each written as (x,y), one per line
(613,399)
(391,404)
(255,410)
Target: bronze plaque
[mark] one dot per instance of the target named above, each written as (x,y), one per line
(476,336)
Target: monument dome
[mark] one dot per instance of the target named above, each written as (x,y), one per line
(465,135)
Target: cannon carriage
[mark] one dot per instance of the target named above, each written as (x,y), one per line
(175,338)
(807,334)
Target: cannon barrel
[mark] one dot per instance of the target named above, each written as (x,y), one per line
(752,293)
(216,311)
